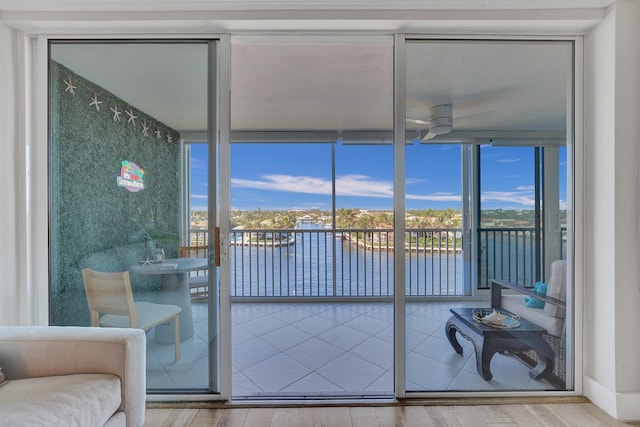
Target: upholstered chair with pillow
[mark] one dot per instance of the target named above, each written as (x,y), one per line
(546,310)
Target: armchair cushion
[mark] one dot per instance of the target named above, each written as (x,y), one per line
(67,400)
(513,303)
(32,352)
(557,289)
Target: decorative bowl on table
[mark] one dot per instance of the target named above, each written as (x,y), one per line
(495,318)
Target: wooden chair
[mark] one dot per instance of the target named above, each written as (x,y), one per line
(198,280)
(111,304)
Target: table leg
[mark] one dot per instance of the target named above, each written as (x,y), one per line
(546,356)
(484,350)
(451,336)
(174,290)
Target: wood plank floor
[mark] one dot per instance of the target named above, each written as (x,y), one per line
(572,414)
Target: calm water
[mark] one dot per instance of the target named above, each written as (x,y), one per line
(320,263)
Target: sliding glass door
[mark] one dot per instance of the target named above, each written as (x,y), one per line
(122,189)
(279,188)
(488,126)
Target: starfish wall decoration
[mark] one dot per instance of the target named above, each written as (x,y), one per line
(116,113)
(70,87)
(95,103)
(132,118)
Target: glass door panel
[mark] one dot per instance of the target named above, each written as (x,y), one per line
(311,205)
(119,194)
(486,132)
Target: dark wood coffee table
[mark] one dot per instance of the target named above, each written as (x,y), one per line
(489,340)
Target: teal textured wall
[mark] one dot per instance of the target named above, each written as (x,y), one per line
(91,217)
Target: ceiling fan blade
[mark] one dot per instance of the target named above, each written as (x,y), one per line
(428,136)
(466,116)
(419,122)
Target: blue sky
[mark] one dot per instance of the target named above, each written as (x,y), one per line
(298,176)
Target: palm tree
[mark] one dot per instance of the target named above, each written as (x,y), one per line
(386,218)
(288,220)
(450,214)
(345,218)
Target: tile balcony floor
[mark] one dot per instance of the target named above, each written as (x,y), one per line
(332,349)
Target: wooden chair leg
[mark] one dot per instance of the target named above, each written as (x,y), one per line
(176,325)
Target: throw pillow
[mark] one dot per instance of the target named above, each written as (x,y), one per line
(539,288)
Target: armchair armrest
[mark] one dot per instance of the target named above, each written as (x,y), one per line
(41,351)
(498,285)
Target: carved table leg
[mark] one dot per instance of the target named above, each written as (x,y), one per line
(451,329)
(546,356)
(484,353)
(484,350)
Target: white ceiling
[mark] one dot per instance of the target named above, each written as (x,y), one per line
(320,83)
(520,86)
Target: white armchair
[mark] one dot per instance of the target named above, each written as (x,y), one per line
(551,316)
(70,376)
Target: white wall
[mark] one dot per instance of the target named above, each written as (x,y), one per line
(23,195)
(627,128)
(612,213)
(9,158)
(599,180)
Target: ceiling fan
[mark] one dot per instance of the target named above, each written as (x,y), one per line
(440,120)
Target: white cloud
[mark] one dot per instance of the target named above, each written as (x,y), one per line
(410,181)
(520,198)
(288,183)
(435,197)
(197,163)
(348,185)
(361,185)
(366,186)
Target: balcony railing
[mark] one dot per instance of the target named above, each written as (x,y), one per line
(507,254)
(359,262)
(311,263)
(434,262)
